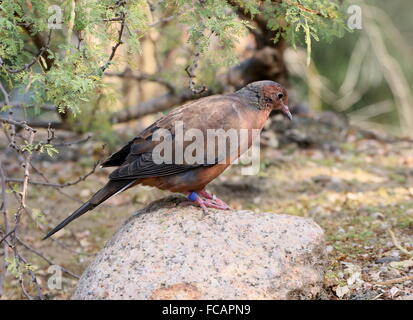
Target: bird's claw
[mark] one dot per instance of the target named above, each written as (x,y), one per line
(205,201)
(215,204)
(214,201)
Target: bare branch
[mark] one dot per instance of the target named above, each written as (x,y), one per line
(4,204)
(8,234)
(56,185)
(394,281)
(305,9)
(26,167)
(3,209)
(70,143)
(34,124)
(21,124)
(158,104)
(142,77)
(33,250)
(37,171)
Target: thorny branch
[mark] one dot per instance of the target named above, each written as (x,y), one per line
(14,260)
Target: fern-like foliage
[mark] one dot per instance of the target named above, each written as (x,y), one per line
(71,70)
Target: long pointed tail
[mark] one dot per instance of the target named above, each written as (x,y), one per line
(110,189)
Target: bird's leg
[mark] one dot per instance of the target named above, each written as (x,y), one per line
(206,203)
(193,196)
(205,194)
(215,199)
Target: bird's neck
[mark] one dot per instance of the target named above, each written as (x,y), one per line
(250,97)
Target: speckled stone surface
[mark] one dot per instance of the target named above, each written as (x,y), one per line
(170,251)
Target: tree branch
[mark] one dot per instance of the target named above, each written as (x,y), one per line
(305,9)
(154,105)
(34,124)
(142,77)
(118,43)
(56,185)
(24,105)
(39,254)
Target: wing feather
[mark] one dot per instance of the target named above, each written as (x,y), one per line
(215,112)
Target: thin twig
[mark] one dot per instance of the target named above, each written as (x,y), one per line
(70,143)
(20,259)
(397,243)
(35,124)
(302,8)
(57,185)
(4,204)
(31,63)
(33,250)
(26,167)
(396,280)
(118,43)
(3,208)
(37,171)
(8,234)
(143,77)
(21,124)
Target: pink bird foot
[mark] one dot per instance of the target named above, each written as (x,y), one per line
(209,202)
(214,199)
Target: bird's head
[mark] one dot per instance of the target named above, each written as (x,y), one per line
(271,95)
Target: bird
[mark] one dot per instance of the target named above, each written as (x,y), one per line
(136,162)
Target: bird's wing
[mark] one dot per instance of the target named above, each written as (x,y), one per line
(214,112)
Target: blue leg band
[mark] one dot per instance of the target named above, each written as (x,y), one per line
(193,196)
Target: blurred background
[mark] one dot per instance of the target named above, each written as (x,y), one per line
(363,74)
(367,75)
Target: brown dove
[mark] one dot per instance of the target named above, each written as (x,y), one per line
(137,162)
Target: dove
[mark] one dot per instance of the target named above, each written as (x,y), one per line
(138,164)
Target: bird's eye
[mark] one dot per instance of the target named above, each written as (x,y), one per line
(280,95)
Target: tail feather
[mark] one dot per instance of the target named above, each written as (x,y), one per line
(83,209)
(111,188)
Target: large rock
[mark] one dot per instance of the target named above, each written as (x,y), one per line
(170,251)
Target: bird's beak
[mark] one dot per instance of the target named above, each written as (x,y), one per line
(287,112)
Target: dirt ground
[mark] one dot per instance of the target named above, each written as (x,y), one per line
(360,192)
